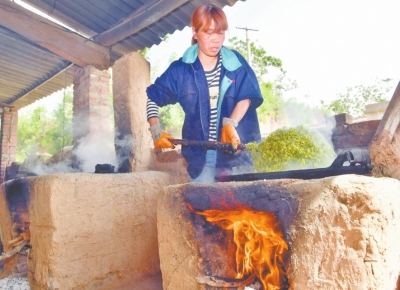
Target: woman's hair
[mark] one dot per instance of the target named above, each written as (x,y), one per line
(204,15)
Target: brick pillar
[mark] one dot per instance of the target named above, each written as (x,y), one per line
(93,137)
(133,143)
(9,123)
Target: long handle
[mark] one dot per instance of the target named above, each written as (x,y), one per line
(212,145)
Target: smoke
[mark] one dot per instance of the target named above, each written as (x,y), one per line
(123,147)
(83,158)
(45,169)
(89,153)
(93,140)
(317,121)
(298,114)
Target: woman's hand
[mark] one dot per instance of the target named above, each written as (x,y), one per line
(163,141)
(229,133)
(160,138)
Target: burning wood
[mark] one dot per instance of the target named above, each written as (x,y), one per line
(340,233)
(25,236)
(259,241)
(255,286)
(219,282)
(15,250)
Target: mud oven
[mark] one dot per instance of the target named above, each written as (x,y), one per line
(153,231)
(333,233)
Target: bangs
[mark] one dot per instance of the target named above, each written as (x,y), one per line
(220,23)
(205,15)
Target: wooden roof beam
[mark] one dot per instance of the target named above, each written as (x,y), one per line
(50,11)
(55,38)
(141,18)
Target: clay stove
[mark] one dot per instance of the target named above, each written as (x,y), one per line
(340,233)
(87,231)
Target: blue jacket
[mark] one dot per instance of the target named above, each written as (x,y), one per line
(185,82)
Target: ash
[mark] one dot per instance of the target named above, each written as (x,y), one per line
(14,283)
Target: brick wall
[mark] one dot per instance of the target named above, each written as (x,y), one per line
(9,122)
(91,103)
(357,132)
(349,135)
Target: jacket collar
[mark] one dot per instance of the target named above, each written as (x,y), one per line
(229,59)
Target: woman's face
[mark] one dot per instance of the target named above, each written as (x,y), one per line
(210,41)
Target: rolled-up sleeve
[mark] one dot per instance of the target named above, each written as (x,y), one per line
(246,84)
(164,91)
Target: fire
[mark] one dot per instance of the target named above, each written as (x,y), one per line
(259,240)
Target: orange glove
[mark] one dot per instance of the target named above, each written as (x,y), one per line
(163,141)
(229,133)
(160,138)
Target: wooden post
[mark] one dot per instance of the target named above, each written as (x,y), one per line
(391,119)
(385,146)
(133,143)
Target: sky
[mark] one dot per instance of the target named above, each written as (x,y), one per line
(325,46)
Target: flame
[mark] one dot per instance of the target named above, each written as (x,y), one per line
(259,241)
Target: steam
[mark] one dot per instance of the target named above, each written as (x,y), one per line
(296,114)
(88,151)
(123,148)
(83,158)
(45,169)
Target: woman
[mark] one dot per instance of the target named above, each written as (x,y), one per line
(218,92)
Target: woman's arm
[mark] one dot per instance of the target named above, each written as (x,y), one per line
(153,120)
(240,110)
(229,133)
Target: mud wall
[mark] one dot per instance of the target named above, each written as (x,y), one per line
(343,234)
(95,231)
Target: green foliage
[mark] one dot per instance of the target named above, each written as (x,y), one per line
(145,52)
(43,131)
(171,119)
(260,61)
(353,101)
(282,83)
(272,105)
(259,58)
(291,149)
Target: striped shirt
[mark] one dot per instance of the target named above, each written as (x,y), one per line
(151,109)
(213,88)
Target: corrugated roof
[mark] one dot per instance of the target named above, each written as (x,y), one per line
(29,72)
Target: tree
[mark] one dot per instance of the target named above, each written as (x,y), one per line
(42,131)
(171,119)
(353,101)
(260,61)
(272,105)
(271,91)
